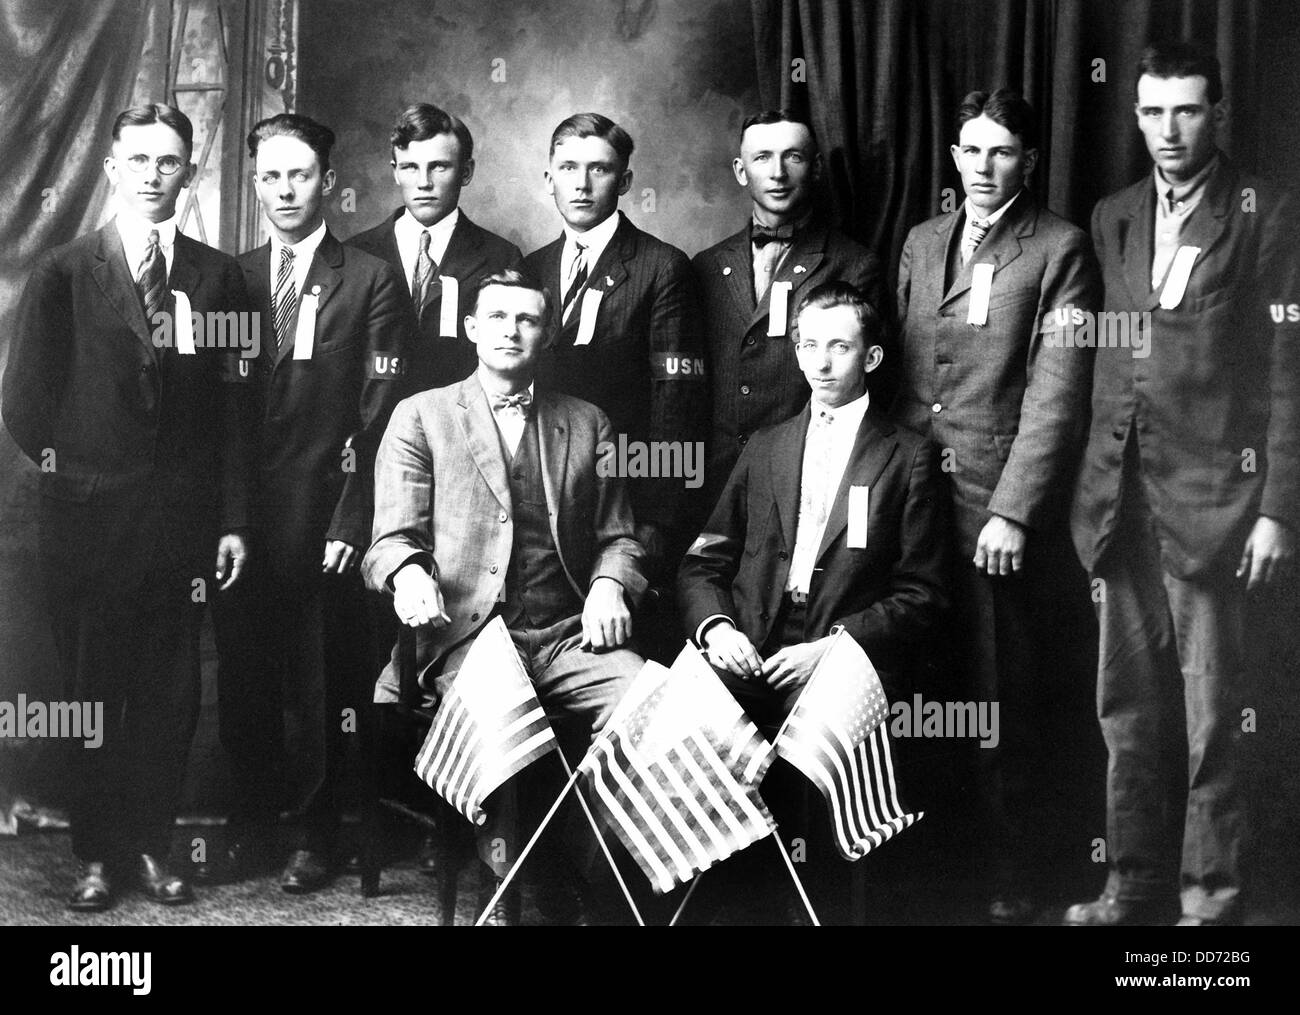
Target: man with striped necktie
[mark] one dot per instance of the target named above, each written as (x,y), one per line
(982,292)
(140,442)
(294,642)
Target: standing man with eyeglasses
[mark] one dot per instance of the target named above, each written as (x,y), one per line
(136,425)
(438,250)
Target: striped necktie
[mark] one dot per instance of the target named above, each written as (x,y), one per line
(286,295)
(424,269)
(979,228)
(151,280)
(579,271)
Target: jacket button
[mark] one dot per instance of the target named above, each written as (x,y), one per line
(783,555)
(744,389)
(937,407)
(492,569)
(503,517)
(750,340)
(145,369)
(1119,433)
(763,615)
(474,617)
(743,439)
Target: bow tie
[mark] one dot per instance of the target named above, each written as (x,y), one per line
(760,236)
(520,402)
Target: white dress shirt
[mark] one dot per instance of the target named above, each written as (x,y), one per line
(303,251)
(134,232)
(826,454)
(973,213)
(510,422)
(595,239)
(407,230)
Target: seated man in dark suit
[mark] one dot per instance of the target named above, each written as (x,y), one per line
(432,243)
(489,502)
(833,518)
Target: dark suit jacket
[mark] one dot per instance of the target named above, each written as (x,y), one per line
(643,367)
(442,494)
(318,421)
(1012,402)
(1216,404)
(128,423)
(472,254)
(886,595)
(755,380)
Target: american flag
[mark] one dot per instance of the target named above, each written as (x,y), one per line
(489,727)
(838,737)
(676,771)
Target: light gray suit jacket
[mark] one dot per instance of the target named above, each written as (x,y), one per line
(442,495)
(1005,404)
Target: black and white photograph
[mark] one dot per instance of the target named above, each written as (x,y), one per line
(651,463)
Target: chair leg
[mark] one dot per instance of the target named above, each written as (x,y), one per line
(371,726)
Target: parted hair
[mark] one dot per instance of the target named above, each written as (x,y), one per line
(156,112)
(843,294)
(514,279)
(779,116)
(315,136)
(1005,107)
(594,125)
(425,120)
(1182,60)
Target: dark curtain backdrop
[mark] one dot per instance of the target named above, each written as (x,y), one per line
(884,79)
(67,68)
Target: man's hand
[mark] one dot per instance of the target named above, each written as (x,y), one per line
(606,620)
(1001,546)
(340,557)
(417,600)
(232,551)
(1270,549)
(790,668)
(728,649)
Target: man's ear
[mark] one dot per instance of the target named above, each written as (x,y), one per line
(875,356)
(1031,160)
(190,171)
(471,328)
(466,172)
(1219,113)
(110,170)
(738,170)
(625,182)
(955,151)
(328,182)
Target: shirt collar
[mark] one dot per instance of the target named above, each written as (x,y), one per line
(135,230)
(408,229)
(972,213)
(847,418)
(1183,191)
(489,395)
(595,239)
(784,233)
(304,250)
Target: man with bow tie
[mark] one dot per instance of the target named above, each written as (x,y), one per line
(751,283)
(987,374)
(489,502)
(141,444)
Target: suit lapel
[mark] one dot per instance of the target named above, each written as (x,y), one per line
(1136,244)
(871,452)
(786,463)
(184,275)
(738,269)
(1210,218)
(553,441)
(1000,247)
(482,438)
(323,279)
(800,262)
(464,253)
(114,278)
(257,279)
(608,273)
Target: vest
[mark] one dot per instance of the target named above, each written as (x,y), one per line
(537,591)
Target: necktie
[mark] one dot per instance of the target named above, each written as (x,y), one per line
(151,280)
(760,236)
(424,269)
(979,228)
(516,403)
(819,438)
(579,273)
(286,295)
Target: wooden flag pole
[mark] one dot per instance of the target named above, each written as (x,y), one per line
(514,869)
(609,859)
(803,896)
(689,892)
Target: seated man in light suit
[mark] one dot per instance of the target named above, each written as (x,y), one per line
(788,554)
(488,502)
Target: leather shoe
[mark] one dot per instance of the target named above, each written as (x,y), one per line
(1011,910)
(242,859)
(160,884)
(1188,920)
(1109,911)
(506,911)
(305,872)
(93,890)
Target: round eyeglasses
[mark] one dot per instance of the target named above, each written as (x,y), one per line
(167,164)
